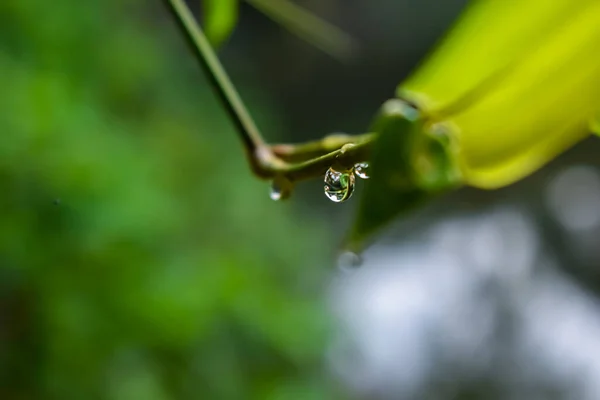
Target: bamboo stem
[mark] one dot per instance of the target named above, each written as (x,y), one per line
(293,162)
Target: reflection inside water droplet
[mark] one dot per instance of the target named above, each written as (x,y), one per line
(362,170)
(348,261)
(339,185)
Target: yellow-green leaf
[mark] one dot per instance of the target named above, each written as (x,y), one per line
(391,189)
(220,18)
(526,75)
(408,165)
(596,125)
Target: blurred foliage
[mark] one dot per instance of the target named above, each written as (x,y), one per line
(309,27)
(507,100)
(138,258)
(519,96)
(407,167)
(220,18)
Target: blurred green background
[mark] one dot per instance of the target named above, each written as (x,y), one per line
(139,259)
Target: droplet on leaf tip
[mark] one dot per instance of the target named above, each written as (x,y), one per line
(275,193)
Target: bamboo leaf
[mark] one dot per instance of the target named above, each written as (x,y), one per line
(542,102)
(596,126)
(220,19)
(396,183)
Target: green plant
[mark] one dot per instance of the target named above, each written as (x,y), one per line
(136,262)
(493,103)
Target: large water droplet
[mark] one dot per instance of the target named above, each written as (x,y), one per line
(339,185)
(362,170)
(281,188)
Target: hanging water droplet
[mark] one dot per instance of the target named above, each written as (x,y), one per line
(281,188)
(349,261)
(339,185)
(275,193)
(362,170)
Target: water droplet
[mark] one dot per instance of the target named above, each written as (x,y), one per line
(349,261)
(275,193)
(362,170)
(281,188)
(339,185)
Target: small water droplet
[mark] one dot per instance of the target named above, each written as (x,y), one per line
(349,261)
(275,193)
(339,185)
(362,170)
(281,189)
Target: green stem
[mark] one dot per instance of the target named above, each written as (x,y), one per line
(294,162)
(228,95)
(305,151)
(343,158)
